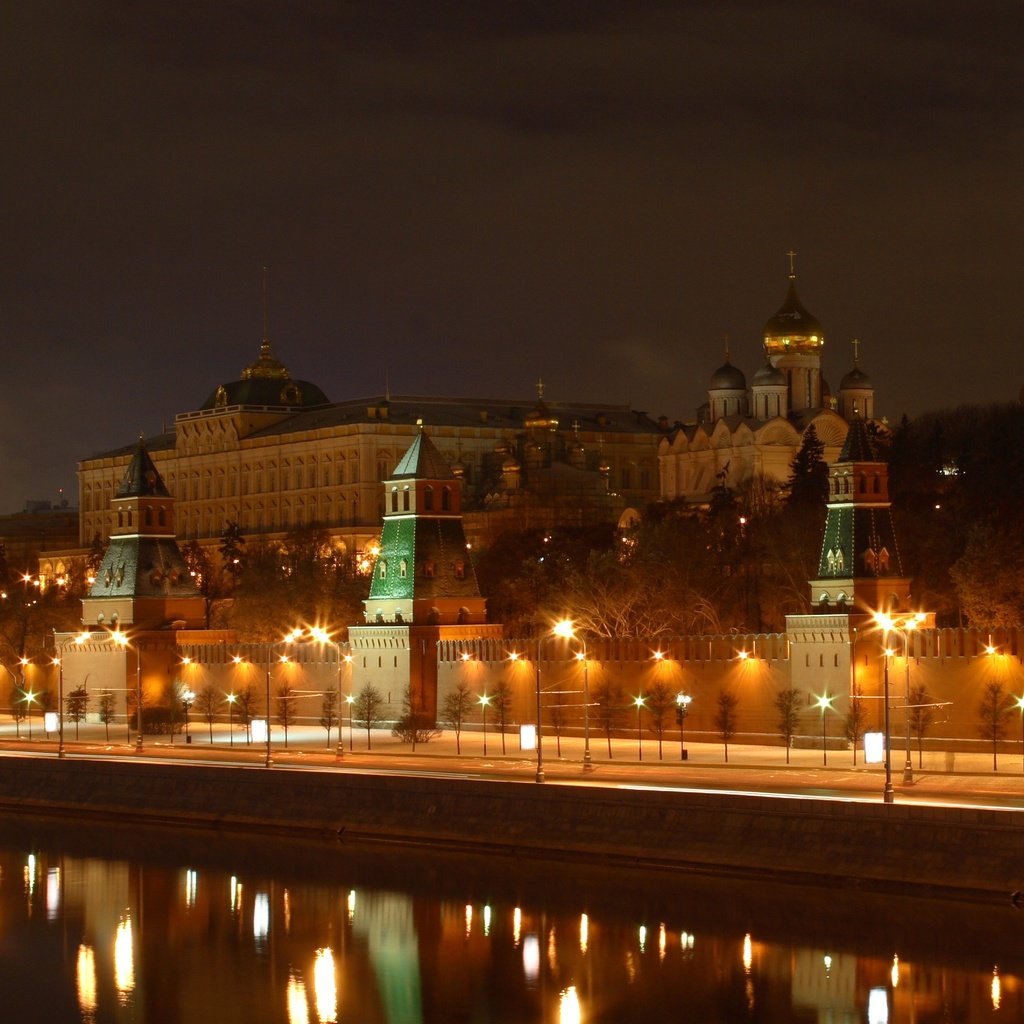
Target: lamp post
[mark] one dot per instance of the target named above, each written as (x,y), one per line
(903,625)
(682,710)
(639,702)
(564,628)
(350,700)
(539,776)
(887,793)
(231,698)
(484,701)
(824,703)
(1020,708)
(187,697)
(59,662)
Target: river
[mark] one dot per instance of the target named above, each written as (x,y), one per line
(106,923)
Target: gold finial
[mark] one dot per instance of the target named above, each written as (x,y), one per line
(540,389)
(419,423)
(792,263)
(856,351)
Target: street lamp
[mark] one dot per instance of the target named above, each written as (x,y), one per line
(564,628)
(1020,708)
(887,793)
(231,698)
(349,700)
(824,703)
(639,702)
(903,624)
(122,641)
(187,696)
(321,636)
(484,701)
(682,710)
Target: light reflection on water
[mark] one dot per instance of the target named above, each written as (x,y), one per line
(290,935)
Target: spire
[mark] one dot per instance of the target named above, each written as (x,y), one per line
(792,264)
(141,478)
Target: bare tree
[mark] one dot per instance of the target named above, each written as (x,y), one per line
(245,705)
(922,716)
(368,709)
(457,705)
(329,713)
(76,706)
(660,699)
(209,700)
(856,720)
(501,701)
(725,718)
(610,710)
(287,699)
(106,710)
(556,716)
(992,711)
(787,704)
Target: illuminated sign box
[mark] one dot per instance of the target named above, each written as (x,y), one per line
(527,737)
(259,730)
(50,723)
(874,747)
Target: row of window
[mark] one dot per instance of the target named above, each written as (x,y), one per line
(428,499)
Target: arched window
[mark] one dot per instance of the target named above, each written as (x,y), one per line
(161,516)
(405,500)
(446,499)
(382,568)
(403,568)
(394,499)
(428,498)
(876,485)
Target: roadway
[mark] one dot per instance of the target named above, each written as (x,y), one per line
(965,780)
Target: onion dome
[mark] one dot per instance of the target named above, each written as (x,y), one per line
(458,469)
(769,377)
(510,465)
(728,378)
(856,378)
(792,329)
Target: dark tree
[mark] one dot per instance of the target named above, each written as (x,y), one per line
(989,576)
(287,700)
(556,716)
(660,700)
(788,705)
(808,478)
(413,726)
(329,713)
(725,718)
(232,552)
(501,702)
(922,716)
(992,714)
(458,704)
(208,702)
(610,709)
(245,708)
(76,706)
(856,720)
(106,710)
(368,709)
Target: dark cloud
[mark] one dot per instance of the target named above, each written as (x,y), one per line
(464,197)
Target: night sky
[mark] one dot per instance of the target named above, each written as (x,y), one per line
(463,197)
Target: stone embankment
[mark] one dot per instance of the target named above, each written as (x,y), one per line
(970,852)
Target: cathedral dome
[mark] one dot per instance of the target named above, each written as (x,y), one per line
(793,329)
(856,378)
(728,378)
(769,377)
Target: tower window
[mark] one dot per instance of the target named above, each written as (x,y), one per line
(428,498)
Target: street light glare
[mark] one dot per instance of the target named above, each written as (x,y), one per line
(564,628)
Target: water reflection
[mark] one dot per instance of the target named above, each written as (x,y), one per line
(293,934)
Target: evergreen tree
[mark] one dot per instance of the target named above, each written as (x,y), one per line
(808,479)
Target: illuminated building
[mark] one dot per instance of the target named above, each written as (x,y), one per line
(745,432)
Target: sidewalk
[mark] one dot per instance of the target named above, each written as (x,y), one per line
(313,740)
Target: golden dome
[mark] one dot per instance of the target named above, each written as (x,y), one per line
(792,329)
